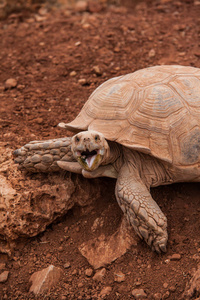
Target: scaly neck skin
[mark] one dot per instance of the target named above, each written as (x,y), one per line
(114,155)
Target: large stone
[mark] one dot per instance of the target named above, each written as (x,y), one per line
(102,251)
(43,281)
(28,204)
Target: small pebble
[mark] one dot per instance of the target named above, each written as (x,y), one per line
(74,272)
(105,291)
(166,295)
(97,70)
(152,53)
(157,296)
(67,265)
(60,249)
(86,26)
(116,49)
(167,261)
(98,276)
(175,256)
(78,43)
(139,293)
(80,285)
(81,6)
(10,83)
(82,81)
(73,73)
(119,277)
(88,272)
(165,285)
(4,276)
(172,288)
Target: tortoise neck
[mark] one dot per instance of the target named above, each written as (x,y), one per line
(114,153)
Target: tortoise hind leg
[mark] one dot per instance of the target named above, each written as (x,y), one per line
(141,210)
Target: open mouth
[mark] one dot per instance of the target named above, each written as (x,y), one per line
(89,159)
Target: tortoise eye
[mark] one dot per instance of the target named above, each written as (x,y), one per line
(96,138)
(77,139)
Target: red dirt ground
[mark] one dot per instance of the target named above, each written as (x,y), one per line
(41,51)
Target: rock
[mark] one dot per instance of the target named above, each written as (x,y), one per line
(67,265)
(152,53)
(166,295)
(193,287)
(10,83)
(43,281)
(97,70)
(78,43)
(88,272)
(72,73)
(82,81)
(172,288)
(139,294)
(157,296)
(98,276)
(105,291)
(42,11)
(34,204)
(81,6)
(104,250)
(119,276)
(138,282)
(175,256)
(74,272)
(165,285)
(4,276)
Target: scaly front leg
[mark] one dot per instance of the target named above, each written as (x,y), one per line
(102,171)
(141,210)
(42,156)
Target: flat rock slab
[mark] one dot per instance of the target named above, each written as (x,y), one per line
(43,281)
(102,251)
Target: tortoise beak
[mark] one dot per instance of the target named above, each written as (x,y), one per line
(90,160)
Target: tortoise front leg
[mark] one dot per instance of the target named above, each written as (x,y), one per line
(42,156)
(141,210)
(102,171)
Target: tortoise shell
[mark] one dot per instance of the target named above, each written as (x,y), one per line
(154,110)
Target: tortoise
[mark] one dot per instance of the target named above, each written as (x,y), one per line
(141,128)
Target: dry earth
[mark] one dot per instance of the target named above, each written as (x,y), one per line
(57,59)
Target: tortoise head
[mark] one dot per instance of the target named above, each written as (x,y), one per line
(90,149)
